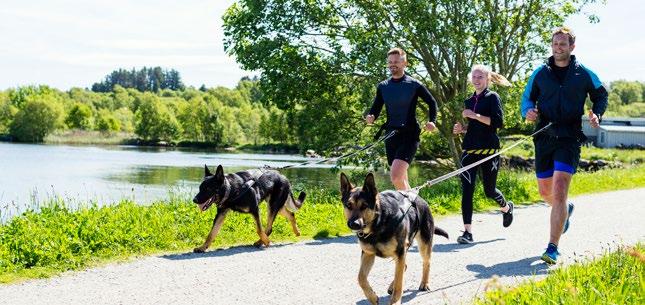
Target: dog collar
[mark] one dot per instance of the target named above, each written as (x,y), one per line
(227,185)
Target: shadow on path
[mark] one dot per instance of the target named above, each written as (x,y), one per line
(526,266)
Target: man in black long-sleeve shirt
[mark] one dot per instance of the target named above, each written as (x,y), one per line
(400,94)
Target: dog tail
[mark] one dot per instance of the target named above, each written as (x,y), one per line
(294,205)
(441,232)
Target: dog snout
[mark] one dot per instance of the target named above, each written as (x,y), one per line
(355,224)
(195,200)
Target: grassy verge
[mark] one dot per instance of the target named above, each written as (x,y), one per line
(57,239)
(626,156)
(616,278)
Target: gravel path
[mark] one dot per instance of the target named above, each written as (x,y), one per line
(325,271)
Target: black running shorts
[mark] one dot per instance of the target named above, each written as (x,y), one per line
(555,154)
(403,146)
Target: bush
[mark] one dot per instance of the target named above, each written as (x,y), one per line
(35,120)
(79,117)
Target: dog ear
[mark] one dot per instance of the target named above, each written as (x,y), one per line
(369,186)
(207,172)
(345,185)
(219,174)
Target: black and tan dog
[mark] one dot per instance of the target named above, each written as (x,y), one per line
(243,192)
(386,224)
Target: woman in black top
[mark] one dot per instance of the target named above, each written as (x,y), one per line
(484,115)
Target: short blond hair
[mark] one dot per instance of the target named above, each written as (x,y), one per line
(398,51)
(563,30)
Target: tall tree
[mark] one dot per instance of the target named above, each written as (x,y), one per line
(329,54)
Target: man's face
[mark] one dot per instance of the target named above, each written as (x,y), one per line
(561,47)
(396,64)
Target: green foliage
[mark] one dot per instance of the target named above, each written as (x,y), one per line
(154,121)
(79,117)
(322,59)
(629,92)
(7,112)
(39,116)
(616,278)
(146,79)
(59,239)
(107,122)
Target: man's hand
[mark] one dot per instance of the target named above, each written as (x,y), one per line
(467,113)
(532,115)
(593,120)
(369,119)
(457,129)
(430,126)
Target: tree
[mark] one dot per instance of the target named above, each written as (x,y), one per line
(146,79)
(154,121)
(629,92)
(106,122)
(329,54)
(79,117)
(37,118)
(7,112)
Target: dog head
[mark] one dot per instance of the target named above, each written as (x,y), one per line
(213,189)
(360,204)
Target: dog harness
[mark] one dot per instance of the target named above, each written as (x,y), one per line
(248,185)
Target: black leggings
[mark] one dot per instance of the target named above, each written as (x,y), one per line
(488,171)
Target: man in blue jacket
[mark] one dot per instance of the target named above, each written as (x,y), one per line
(556,93)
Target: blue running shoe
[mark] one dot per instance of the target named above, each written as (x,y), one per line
(551,254)
(566,223)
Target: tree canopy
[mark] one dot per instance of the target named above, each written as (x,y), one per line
(146,79)
(321,60)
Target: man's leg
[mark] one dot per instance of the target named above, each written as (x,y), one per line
(399,174)
(554,190)
(559,194)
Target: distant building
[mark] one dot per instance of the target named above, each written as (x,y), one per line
(616,132)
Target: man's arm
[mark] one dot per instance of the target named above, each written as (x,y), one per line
(425,95)
(531,93)
(377,105)
(597,94)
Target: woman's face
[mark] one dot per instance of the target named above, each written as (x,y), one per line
(479,80)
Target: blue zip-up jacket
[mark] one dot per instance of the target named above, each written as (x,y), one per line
(563,103)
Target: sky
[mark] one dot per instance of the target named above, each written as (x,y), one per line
(74,43)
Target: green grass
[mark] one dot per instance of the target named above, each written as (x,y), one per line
(625,156)
(56,239)
(615,278)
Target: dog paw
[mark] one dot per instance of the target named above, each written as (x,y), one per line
(199,250)
(424,287)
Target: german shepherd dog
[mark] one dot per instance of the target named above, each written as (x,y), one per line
(243,192)
(386,224)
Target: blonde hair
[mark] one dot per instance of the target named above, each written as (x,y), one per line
(493,76)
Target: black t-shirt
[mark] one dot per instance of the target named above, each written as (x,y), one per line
(560,72)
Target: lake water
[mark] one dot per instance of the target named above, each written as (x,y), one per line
(32,173)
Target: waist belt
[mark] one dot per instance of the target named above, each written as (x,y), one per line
(489,151)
